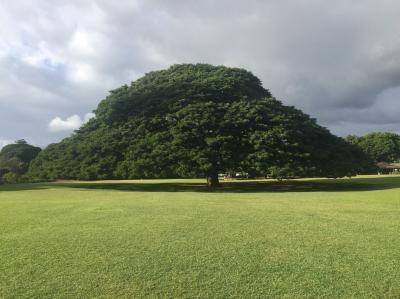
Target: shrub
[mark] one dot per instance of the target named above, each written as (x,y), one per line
(13,178)
(10,178)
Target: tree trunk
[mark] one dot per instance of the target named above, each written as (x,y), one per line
(212,180)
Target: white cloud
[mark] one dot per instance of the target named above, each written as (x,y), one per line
(82,73)
(85,43)
(88,116)
(73,122)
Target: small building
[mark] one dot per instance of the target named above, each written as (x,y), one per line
(388,168)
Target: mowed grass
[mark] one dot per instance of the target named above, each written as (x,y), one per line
(176,239)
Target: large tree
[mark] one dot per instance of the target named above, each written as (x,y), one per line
(196,121)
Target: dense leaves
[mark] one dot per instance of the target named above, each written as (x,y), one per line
(379,146)
(376,147)
(196,121)
(15,159)
(160,91)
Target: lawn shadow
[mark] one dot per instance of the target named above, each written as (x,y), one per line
(244,186)
(317,185)
(25,186)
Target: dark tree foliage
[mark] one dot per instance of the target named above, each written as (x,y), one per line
(15,158)
(377,147)
(196,121)
(158,92)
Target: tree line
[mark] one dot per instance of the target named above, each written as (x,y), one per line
(199,120)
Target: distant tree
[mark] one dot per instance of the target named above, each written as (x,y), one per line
(15,158)
(196,121)
(378,146)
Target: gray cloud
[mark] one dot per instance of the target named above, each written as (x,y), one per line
(338,61)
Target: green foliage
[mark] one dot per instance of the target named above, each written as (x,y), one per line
(15,158)
(378,146)
(157,92)
(87,155)
(11,178)
(195,121)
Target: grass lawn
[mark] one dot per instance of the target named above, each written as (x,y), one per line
(175,239)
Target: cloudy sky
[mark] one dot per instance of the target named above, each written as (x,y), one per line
(337,60)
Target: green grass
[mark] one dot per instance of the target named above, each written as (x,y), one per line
(175,239)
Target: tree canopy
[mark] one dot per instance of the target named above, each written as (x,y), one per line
(15,158)
(196,121)
(378,146)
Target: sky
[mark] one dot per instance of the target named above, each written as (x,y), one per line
(338,61)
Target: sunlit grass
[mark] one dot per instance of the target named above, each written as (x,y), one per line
(176,238)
